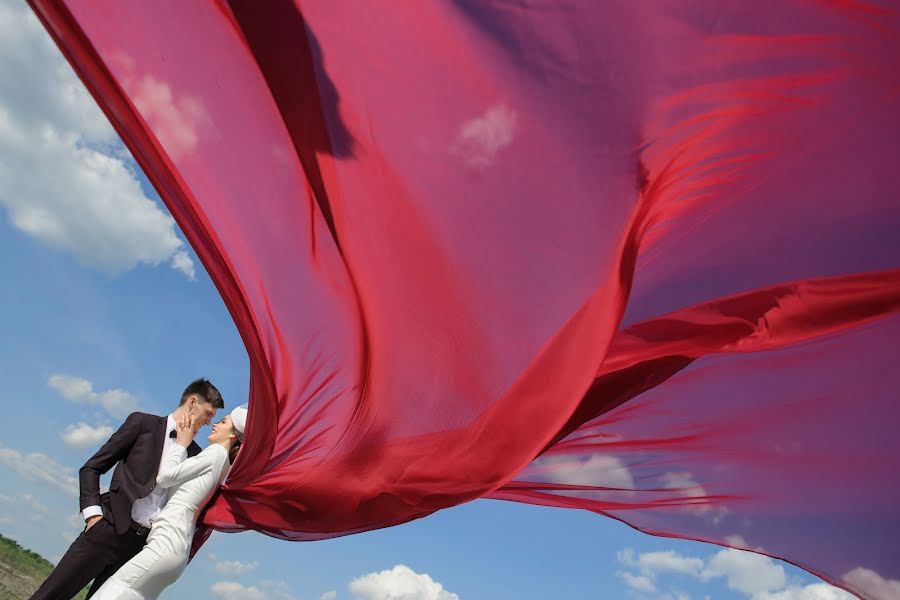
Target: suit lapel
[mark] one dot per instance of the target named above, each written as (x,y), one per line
(159,439)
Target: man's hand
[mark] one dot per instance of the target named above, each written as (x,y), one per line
(186,429)
(90,522)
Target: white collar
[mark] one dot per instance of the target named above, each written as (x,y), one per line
(170,425)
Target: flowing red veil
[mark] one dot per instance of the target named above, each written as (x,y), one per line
(639,258)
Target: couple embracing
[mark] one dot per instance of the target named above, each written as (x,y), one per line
(137,537)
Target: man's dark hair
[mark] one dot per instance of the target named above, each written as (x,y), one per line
(204,390)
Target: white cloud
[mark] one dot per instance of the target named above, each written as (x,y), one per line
(183,262)
(814,591)
(34,505)
(736,540)
(232,590)
(57,97)
(639,583)
(593,470)
(652,564)
(174,120)
(480,139)
(674,596)
(746,572)
(81,434)
(42,468)
(597,470)
(399,583)
(682,484)
(754,576)
(267,589)
(118,403)
(872,583)
(277,590)
(65,178)
(178,120)
(235,568)
(328,595)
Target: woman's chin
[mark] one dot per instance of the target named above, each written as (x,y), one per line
(209,438)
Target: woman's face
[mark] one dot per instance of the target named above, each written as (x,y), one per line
(221,431)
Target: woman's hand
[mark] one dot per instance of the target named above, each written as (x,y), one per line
(185,430)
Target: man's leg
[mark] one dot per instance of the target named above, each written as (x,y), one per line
(102,577)
(129,544)
(86,558)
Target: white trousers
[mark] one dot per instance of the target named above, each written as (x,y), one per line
(162,560)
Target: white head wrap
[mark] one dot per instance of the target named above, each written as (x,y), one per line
(239,420)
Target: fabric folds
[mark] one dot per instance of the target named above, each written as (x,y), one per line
(638,258)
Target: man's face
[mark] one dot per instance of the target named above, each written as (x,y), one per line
(203,411)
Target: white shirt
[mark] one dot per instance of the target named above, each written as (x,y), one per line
(146,510)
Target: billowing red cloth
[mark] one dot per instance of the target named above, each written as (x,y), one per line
(638,258)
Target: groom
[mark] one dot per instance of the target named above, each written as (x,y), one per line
(117,522)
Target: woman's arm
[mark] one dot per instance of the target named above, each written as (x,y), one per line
(175,469)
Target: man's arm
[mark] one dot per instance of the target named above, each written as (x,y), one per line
(115,448)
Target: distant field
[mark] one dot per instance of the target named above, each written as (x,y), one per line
(22,571)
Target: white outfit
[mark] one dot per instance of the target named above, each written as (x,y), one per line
(146,510)
(192,482)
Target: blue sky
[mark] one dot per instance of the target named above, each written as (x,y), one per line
(104,308)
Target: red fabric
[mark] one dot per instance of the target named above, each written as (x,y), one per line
(632,257)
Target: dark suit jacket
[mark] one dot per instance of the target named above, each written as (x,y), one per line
(137,448)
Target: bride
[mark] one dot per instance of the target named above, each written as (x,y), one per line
(192,483)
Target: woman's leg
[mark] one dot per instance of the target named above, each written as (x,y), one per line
(146,575)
